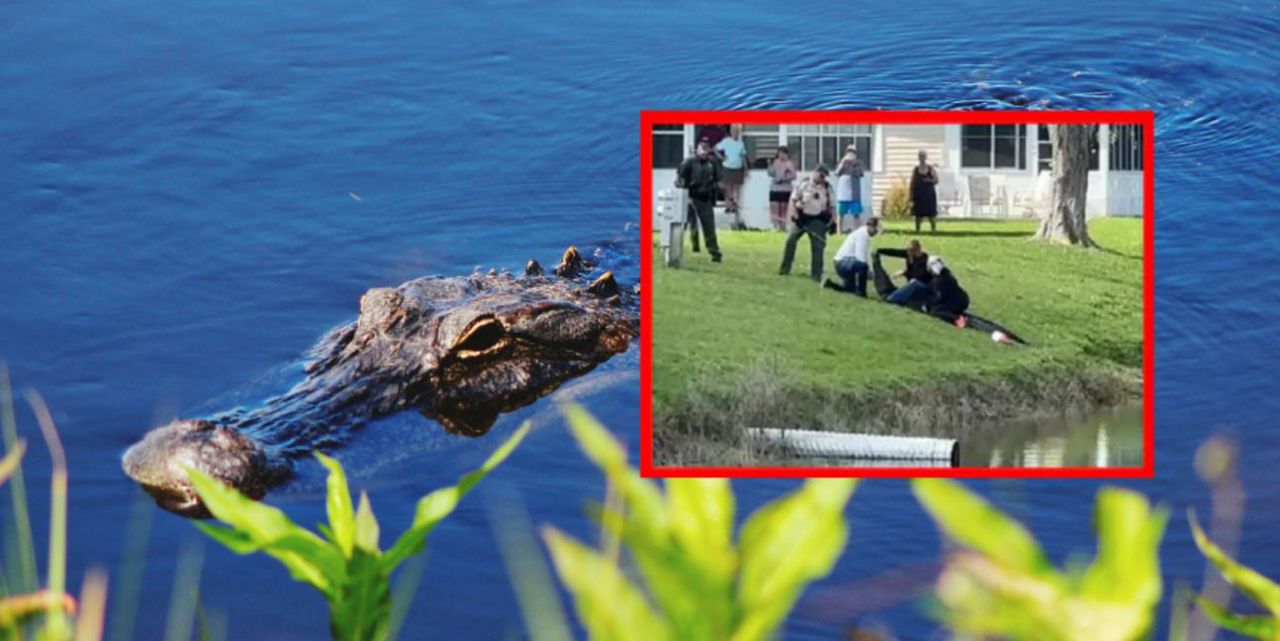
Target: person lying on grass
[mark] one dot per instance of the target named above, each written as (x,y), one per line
(942,297)
(852,262)
(947,299)
(939,295)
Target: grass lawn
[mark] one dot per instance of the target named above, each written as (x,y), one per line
(713,323)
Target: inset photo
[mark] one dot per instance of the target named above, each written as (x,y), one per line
(897,293)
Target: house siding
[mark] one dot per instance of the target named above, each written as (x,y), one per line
(901,143)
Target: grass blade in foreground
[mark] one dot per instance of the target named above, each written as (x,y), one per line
(1001,584)
(694,582)
(346,564)
(1250,583)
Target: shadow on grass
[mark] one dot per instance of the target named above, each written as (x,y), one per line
(1118,254)
(925,233)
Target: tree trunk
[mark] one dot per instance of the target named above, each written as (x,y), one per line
(1065,222)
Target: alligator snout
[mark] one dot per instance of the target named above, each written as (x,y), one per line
(161,460)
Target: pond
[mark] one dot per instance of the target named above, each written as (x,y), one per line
(195,193)
(1109,438)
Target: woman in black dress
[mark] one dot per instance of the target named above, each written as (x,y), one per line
(924,197)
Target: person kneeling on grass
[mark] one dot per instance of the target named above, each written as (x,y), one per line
(916,290)
(947,300)
(852,260)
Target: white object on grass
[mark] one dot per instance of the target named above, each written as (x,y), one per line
(862,446)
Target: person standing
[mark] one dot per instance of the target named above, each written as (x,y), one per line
(815,210)
(700,175)
(734,153)
(849,189)
(782,174)
(853,259)
(924,195)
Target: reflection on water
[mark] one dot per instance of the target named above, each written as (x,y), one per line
(1108,439)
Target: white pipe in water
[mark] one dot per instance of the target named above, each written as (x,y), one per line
(862,446)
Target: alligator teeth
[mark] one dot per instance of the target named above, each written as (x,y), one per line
(605,286)
(533,268)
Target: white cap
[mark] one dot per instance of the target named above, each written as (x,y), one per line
(936,265)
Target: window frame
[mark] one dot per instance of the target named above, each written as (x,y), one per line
(991,137)
(1127,152)
(799,138)
(666,131)
(1045,162)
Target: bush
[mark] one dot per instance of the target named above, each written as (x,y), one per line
(897,202)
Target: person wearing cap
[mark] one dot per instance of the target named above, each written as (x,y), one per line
(700,175)
(814,213)
(848,189)
(947,299)
(853,259)
(733,152)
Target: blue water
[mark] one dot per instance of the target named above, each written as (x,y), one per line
(178,226)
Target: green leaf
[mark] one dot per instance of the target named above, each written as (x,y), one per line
(784,546)
(609,605)
(9,464)
(697,604)
(1258,627)
(647,514)
(972,522)
(366,526)
(433,507)
(338,504)
(1257,587)
(361,607)
(1127,567)
(701,513)
(261,527)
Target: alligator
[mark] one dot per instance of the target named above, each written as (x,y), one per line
(461,350)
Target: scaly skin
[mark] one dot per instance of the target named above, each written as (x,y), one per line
(461,350)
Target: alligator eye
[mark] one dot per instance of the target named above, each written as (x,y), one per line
(484,334)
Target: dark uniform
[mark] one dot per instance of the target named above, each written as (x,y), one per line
(701,178)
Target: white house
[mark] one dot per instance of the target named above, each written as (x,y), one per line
(985,171)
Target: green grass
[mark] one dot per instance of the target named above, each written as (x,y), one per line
(714,323)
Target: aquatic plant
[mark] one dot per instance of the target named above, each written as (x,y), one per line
(693,581)
(1002,584)
(49,613)
(344,562)
(1255,586)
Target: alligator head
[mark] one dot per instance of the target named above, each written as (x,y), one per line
(460,350)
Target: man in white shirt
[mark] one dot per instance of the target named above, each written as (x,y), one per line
(853,259)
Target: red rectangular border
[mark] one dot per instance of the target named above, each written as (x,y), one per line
(650,118)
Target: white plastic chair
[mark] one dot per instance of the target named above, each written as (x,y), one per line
(948,192)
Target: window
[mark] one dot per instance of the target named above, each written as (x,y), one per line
(1045,142)
(813,145)
(668,146)
(762,142)
(1126,148)
(993,146)
(1044,146)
